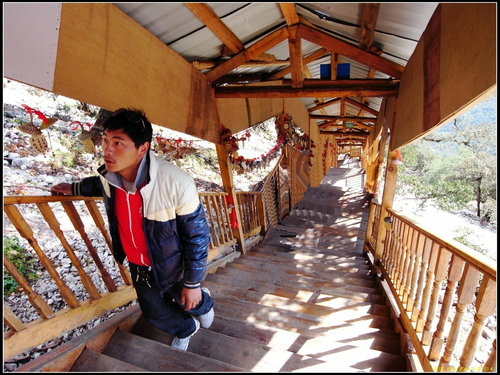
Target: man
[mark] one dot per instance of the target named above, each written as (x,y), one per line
(157,221)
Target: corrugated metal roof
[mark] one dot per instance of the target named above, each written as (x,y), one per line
(397,31)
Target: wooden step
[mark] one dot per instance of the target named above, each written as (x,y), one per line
(309,260)
(290,272)
(155,356)
(303,282)
(280,252)
(305,344)
(296,321)
(339,264)
(300,292)
(92,361)
(241,349)
(321,271)
(332,308)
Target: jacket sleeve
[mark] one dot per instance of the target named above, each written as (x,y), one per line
(195,237)
(88,187)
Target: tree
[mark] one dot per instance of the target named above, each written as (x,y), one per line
(454,165)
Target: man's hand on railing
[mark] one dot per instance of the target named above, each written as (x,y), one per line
(61,189)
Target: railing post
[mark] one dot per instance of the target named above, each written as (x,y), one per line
(226,171)
(387,199)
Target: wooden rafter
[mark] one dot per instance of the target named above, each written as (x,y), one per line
(334,44)
(215,24)
(343,118)
(297,64)
(368,20)
(362,107)
(310,58)
(323,105)
(248,54)
(290,13)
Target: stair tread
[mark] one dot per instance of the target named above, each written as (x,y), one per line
(303,343)
(295,321)
(156,356)
(92,361)
(244,351)
(300,291)
(342,264)
(334,307)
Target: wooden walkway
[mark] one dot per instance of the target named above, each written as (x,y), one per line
(303,300)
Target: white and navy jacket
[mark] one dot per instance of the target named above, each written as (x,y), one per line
(175,225)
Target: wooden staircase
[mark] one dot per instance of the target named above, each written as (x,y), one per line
(303,300)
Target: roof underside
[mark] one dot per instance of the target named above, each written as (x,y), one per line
(395,31)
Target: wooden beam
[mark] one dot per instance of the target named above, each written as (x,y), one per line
(357,125)
(245,56)
(312,88)
(290,13)
(343,118)
(323,105)
(310,58)
(334,44)
(345,135)
(361,106)
(295,50)
(368,20)
(215,24)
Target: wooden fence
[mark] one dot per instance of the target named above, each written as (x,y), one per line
(104,292)
(436,283)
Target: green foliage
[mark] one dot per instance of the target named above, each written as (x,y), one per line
(25,263)
(454,166)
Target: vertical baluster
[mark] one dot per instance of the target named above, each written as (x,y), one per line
(220,225)
(466,292)
(25,230)
(228,217)
(422,278)
(53,223)
(491,363)
(389,236)
(214,240)
(35,299)
(402,256)
(454,274)
(430,278)
(409,267)
(99,222)
(80,228)
(439,273)
(486,302)
(415,272)
(393,256)
(406,263)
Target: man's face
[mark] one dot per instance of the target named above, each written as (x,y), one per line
(120,153)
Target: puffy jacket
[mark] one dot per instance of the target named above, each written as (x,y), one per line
(175,226)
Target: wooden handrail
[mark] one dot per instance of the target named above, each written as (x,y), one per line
(417,264)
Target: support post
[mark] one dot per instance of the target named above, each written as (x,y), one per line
(226,170)
(387,200)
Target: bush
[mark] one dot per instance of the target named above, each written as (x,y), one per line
(25,263)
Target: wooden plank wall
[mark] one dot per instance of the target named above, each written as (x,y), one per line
(453,65)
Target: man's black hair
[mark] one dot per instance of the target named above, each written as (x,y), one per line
(133,122)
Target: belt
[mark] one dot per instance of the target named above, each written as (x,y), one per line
(143,274)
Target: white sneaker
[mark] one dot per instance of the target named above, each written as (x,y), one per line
(182,344)
(207,319)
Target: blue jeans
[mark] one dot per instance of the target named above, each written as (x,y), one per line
(166,312)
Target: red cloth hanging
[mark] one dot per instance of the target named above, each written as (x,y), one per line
(232,211)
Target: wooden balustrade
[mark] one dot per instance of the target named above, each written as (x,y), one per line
(436,283)
(252,213)
(41,221)
(85,215)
